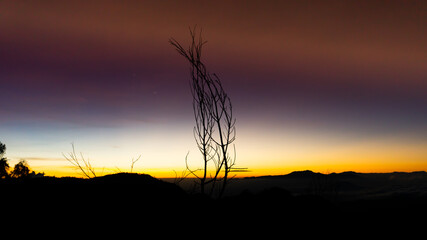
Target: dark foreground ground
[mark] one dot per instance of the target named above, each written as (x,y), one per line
(300,198)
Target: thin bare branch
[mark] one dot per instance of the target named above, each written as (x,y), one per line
(82,164)
(133,163)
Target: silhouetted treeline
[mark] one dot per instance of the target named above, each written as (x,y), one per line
(21,169)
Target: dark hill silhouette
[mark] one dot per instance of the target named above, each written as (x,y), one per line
(348,175)
(301,174)
(294,174)
(141,183)
(123,192)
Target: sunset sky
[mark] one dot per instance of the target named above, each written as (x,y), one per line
(329,86)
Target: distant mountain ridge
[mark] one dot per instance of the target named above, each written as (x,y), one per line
(309,173)
(344,185)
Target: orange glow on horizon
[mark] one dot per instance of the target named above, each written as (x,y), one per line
(262,152)
(67,171)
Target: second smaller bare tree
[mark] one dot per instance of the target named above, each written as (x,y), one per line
(80,163)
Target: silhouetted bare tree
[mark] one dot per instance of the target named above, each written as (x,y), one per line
(82,164)
(214,129)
